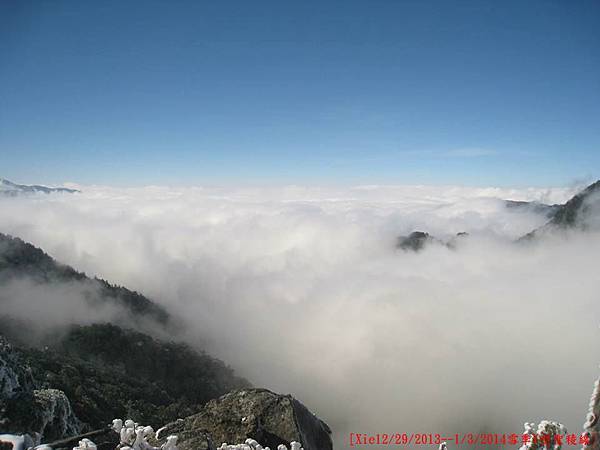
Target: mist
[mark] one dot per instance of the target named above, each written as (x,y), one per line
(302,291)
(39,313)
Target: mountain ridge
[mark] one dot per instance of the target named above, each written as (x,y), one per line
(99,370)
(13,189)
(572,213)
(20,259)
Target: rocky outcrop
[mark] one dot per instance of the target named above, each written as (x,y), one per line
(418,240)
(415,241)
(269,418)
(52,415)
(43,413)
(24,409)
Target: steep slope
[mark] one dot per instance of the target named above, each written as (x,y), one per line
(574,212)
(19,259)
(580,212)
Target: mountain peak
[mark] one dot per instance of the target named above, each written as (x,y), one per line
(573,210)
(575,213)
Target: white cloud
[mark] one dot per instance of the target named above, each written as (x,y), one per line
(301,290)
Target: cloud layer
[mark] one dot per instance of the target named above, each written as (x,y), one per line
(302,291)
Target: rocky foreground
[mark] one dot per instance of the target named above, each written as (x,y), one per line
(62,387)
(46,415)
(256,418)
(269,418)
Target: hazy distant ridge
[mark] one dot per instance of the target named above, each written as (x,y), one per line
(9,188)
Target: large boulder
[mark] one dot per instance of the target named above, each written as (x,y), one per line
(269,418)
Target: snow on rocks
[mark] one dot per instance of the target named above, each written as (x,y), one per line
(133,436)
(544,436)
(591,427)
(251,444)
(85,444)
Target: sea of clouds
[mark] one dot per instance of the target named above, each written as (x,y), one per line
(302,290)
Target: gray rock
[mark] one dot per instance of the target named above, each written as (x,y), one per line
(269,418)
(53,416)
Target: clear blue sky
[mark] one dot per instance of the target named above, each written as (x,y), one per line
(470,92)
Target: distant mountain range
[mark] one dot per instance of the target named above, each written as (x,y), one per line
(14,189)
(581,212)
(81,377)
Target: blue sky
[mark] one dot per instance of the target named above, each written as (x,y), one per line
(433,92)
